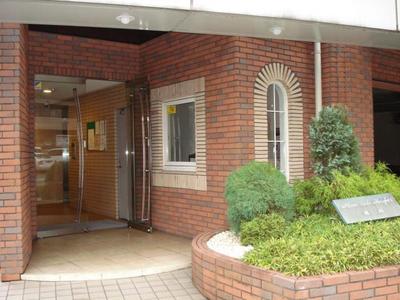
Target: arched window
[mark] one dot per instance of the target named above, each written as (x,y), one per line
(277,118)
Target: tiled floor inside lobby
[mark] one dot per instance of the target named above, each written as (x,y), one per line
(107,254)
(62,213)
(175,285)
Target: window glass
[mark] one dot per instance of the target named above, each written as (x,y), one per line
(181,132)
(276,120)
(271,126)
(270,97)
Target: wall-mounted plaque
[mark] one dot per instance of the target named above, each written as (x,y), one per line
(96,135)
(367,208)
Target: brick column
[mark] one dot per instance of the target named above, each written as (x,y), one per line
(347,80)
(15,153)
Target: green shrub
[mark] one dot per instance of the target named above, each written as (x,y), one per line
(262,228)
(255,189)
(321,245)
(315,195)
(334,146)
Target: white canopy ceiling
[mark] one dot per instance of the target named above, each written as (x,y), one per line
(361,22)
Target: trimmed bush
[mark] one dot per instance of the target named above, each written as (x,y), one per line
(262,228)
(334,146)
(255,189)
(315,195)
(322,245)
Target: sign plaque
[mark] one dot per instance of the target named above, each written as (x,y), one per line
(367,208)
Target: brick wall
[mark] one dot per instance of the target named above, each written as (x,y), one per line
(253,54)
(62,55)
(347,80)
(101,173)
(177,57)
(15,155)
(230,66)
(220,277)
(385,65)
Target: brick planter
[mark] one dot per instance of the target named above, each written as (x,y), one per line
(220,277)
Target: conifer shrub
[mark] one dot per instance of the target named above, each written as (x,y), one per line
(256,189)
(334,147)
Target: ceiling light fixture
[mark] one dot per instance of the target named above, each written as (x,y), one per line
(276,30)
(47,91)
(125,18)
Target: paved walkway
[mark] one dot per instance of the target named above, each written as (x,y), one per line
(129,253)
(172,285)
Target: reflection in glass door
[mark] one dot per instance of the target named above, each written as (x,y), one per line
(60,156)
(55,123)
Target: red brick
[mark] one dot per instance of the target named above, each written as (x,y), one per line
(335,279)
(361,276)
(349,287)
(374,283)
(386,272)
(323,291)
(393,280)
(308,283)
(363,294)
(14,139)
(337,297)
(386,290)
(284,281)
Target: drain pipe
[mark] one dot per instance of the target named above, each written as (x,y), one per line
(317,76)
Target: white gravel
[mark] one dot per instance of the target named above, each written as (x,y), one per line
(228,243)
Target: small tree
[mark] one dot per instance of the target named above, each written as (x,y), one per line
(333,143)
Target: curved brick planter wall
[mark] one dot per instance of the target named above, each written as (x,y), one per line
(220,277)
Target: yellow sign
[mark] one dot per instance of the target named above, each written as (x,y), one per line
(171,109)
(38,85)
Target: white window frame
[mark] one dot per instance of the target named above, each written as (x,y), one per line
(176,165)
(286,125)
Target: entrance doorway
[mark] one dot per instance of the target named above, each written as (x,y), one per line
(387,127)
(63,105)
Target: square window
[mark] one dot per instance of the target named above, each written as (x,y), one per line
(179,133)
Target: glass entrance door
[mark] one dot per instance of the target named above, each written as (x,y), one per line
(66,187)
(55,137)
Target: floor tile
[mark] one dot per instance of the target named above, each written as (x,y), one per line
(174,285)
(128,253)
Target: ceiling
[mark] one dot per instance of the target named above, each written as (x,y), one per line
(359,22)
(131,36)
(62,88)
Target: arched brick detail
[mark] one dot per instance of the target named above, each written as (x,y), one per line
(277,72)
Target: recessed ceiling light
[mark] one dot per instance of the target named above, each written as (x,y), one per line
(47,91)
(276,30)
(125,18)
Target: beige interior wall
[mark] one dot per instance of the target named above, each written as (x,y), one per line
(101,174)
